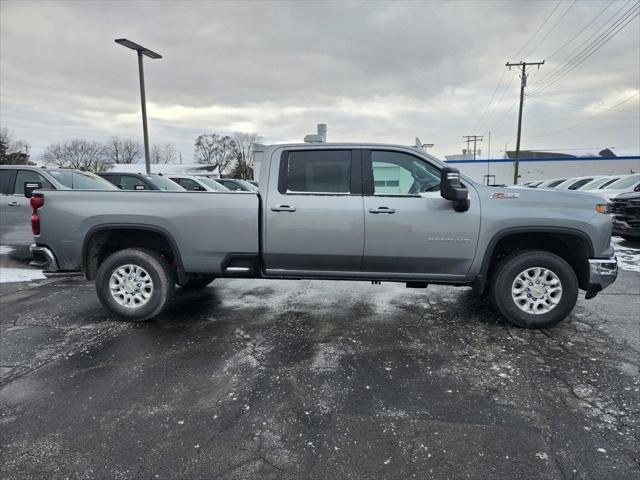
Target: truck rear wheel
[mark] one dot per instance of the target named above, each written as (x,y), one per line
(534,289)
(135,284)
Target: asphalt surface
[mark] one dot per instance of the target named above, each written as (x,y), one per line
(307,379)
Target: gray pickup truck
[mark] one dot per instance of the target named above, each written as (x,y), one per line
(336,212)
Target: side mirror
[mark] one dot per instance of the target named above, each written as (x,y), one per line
(452,189)
(29,187)
(637,189)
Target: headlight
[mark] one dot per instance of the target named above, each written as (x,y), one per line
(603,208)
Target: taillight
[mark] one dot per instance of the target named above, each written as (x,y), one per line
(36,202)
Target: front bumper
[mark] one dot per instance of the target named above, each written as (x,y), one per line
(44,254)
(602,273)
(620,227)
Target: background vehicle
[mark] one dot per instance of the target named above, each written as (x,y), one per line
(628,183)
(337,212)
(197,183)
(139,181)
(575,183)
(626,215)
(15,211)
(551,183)
(599,183)
(237,184)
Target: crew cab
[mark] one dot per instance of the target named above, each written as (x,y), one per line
(381,213)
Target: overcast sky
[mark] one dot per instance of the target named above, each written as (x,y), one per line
(373,71)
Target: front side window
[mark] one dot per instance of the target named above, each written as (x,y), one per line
(319,171)
(397,173)
(30,176)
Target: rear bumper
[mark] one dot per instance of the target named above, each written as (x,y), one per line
(44,254)
(602,273)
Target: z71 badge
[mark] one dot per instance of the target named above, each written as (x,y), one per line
(503,196)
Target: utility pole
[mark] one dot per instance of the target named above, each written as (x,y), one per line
(523,83)
(475,138)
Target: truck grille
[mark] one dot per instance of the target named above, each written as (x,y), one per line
(627,210)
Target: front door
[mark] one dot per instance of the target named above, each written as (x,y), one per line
(314,218)
(409,227)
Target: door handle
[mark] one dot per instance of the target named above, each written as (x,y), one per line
(382,210)
(283,208)
(14,204)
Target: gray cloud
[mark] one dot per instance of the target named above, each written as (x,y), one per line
(373,70)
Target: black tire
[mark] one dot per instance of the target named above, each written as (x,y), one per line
(196,283)
(158,270)
(505,275)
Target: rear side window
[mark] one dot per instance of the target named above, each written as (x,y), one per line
(318,171)
(4,181)
(30,176)
(129,182)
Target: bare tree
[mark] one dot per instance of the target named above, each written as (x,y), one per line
(122,150)
(214,149)
(13,152)
(165,153)
(77,153)
(243,152)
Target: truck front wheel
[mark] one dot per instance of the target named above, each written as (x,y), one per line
(534,288)
(135,284)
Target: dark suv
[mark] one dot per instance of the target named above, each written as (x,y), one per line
(626,215)
(140,181)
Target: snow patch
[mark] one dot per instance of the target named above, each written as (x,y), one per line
(12,275)
(628,257)
(6,250)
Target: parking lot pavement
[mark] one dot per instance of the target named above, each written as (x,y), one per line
(305,379)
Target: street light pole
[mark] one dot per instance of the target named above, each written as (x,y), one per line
(145,131)
(143,101)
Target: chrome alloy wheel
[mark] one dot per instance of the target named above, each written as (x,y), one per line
(131,286)
(536,290)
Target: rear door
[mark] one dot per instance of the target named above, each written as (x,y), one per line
(16,228)
(314,216)
(410,228)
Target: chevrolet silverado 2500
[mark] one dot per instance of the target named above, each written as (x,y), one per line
(339,212)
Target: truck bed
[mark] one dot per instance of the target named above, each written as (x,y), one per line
(206,225)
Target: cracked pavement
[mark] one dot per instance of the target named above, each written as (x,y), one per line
(307,379)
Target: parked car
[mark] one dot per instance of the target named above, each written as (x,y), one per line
(140,181)
(237,184)
(533,184)
(599,183)
(626,215)
(329,211)
(551,183)
(15,212)
(197,183)
(576,182)
(628,183)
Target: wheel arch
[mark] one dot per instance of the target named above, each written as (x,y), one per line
(542,238)
(94,250)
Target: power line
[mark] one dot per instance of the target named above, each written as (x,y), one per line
(538,30)
(589,50)
(504,92)
(474,138)
(580,32)
(552,28)
(513,56)
(576,104)
(588,119)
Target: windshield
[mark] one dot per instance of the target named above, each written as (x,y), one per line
(163,183)
(81,180)
(213,184)
(624,182)
(598,183)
